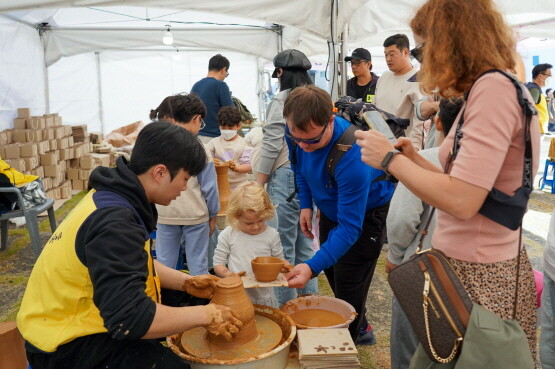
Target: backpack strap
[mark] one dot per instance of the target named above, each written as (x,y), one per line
(340,148)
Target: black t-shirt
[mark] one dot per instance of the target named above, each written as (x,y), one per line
(360,91)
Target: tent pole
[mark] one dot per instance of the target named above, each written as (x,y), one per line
(99,82)
(333,43)
(43,28)
(342,62)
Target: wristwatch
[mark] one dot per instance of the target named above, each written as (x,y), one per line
(387,160)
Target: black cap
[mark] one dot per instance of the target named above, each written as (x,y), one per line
(291,59)
(359,53)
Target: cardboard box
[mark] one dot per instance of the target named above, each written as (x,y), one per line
(2,153)
(48,134)
(19,123)
(70,142)
(53,193)
(50,158)
(49,120)
(53,144)
(62,143)
(38,171)
(85,173)
(80,185)
(65,154)
(87,162)
(57,120)
(101,159)
(46,182)
(52,170)
(43,147)
(74,163)
(67,131)
(73,174)
(23,113)
(21,135)
(35,136)
(4,138)
(17,164)
(32,162)
(11,151)
(59,132)
(65,192)
(29,149)
(36,123)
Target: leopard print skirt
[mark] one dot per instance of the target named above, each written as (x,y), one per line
(492,285)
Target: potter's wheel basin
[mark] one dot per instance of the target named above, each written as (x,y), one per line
(275,358)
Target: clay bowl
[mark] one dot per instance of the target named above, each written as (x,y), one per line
(328,304)
(266,268)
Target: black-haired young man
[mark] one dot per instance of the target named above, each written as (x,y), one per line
(93,298)
(397,91)
(541,74)
(214,93)
(363,84)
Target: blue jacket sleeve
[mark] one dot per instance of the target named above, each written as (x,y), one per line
(303,191)
(353,179)
(209,188)
(224,95)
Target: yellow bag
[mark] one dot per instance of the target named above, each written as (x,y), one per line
(17,178)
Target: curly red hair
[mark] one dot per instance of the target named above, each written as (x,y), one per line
(464,38)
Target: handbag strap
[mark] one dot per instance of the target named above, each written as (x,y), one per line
(527,179)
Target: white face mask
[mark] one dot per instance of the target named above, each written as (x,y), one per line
(228,134)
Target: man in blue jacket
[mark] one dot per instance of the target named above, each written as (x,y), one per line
(353,205)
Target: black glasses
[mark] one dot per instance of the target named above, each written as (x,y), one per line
(202,124)
(417,52)
(356,61)
(308,141)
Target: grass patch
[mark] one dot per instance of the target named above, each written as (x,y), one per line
(14,279)
(11,314)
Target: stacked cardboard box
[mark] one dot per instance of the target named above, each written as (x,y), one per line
(42,146)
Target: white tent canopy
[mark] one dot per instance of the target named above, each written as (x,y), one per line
(102,62)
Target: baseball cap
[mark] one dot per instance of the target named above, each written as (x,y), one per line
(291,59)
(359,53)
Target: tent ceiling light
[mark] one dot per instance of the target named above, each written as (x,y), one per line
(167,39)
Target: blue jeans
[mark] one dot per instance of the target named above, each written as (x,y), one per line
(195,237)
(403,339)
(547,338)
(297,248)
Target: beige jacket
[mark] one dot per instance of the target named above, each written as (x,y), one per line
(193,206)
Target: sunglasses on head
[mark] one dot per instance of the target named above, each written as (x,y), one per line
(417,52)
(308,141)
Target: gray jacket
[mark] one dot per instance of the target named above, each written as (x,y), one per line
(407,217)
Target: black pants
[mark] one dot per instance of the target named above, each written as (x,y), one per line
(101,351)
(350,277)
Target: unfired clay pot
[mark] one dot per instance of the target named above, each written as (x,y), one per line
(231,293)
(224,190)
(266,268)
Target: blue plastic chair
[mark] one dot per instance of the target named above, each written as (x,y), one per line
(549,167)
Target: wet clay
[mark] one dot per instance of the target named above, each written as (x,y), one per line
(224,190)
(317,318)
(266,268)
(268,335)
(231,293)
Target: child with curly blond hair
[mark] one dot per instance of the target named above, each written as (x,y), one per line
(248,237)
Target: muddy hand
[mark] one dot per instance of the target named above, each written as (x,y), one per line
(202,286)
(286,266)
(222,321)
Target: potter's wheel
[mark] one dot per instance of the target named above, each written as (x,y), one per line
(269,334)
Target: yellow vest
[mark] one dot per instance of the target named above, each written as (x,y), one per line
(543,115)
(58,303)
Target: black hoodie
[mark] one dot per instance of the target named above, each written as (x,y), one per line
(110,243)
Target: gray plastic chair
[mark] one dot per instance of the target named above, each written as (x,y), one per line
(31,220)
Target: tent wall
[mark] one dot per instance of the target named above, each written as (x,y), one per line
(133,82)
(22,81)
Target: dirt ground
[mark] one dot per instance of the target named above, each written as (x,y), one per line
(16,264)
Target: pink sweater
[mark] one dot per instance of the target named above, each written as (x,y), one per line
(491,155)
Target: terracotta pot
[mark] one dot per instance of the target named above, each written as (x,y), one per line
(224,190)
(266,268)
(231,293)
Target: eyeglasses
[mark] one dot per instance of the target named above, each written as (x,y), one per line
(548,75)
(227,74)
(202,123)
(308,141)
(357,61)
(417,52)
